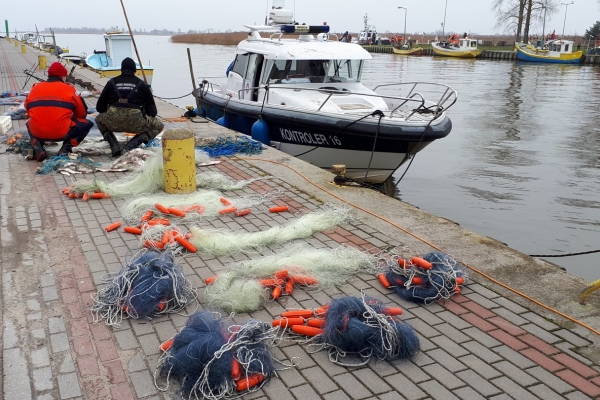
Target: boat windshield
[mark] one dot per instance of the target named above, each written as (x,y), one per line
(312,71)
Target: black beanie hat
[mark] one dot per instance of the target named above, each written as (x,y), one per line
(128,65)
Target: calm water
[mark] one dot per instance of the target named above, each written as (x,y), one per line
(521,165)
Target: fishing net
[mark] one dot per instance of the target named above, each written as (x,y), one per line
(227,146)
(150,284)
(195,206)
(219,243)
(144,180)
(67,165)
(245,285)
(428,284)
(215,180)
(214,359)
(354,330)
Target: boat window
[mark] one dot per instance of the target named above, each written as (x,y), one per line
(241,62)
(566,47)
(344,71)
(473,43)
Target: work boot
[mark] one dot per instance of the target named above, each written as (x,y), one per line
(115,146)
(39,151)
(67,147)
(136,141)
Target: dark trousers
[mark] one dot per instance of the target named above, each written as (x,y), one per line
(76,134)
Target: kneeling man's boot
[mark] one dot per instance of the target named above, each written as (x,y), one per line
(115,146)
(136,141)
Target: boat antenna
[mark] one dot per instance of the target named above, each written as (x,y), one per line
(267,13)
(134,45)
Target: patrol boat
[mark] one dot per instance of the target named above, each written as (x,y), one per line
(303,95)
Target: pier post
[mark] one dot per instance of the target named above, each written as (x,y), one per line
(179,160)
(42,63)
(16,43)
(23,48)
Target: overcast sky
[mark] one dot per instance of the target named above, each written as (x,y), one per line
(422,15)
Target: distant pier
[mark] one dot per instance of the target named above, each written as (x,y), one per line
(503,55)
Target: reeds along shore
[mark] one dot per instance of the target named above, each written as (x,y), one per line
(234,38)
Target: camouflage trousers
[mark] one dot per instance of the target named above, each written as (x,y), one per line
(128,120)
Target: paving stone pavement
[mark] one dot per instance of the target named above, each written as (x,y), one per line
(481,344)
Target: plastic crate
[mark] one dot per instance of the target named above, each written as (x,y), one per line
(5,124)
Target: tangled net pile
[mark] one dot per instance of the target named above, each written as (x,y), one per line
(205,203)
(245,285)
(219,243)
(151,178)
(213,359)
(53,164)
(418,282)
(149,284)
(227,146)
(355,329)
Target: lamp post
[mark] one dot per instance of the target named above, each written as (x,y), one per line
(404,36)
(565,21)
(544,26)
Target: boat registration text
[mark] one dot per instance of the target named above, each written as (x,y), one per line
(309,138)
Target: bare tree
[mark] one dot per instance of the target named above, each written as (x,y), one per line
(508,16)
(517,16)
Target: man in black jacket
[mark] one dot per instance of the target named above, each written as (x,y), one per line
(127,105)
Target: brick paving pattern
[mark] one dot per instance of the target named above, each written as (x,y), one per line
(55,252)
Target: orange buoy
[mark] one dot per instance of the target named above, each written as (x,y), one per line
(307,330)
(384,281)
(298,313)
(112,226)
(421,262)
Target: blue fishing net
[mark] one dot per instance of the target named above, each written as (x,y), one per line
(55,163)
(227,146)
(222,145)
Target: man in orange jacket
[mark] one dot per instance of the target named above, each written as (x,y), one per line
(56,114)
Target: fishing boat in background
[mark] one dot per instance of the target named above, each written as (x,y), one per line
(464,47)
(558,51)
(108,62)
(407,50)
(304,96)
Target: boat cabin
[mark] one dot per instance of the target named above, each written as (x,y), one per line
(118,47)
(560,46)
(304,62)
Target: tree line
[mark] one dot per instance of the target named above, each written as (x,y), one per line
(518,16)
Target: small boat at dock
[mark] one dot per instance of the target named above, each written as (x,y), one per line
(406,50)
(465,48)
(558,51)
(108,62)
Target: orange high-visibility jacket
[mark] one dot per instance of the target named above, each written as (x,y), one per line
(50,106)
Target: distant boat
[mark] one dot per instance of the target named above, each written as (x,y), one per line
(556,51)
(108,62)
(464,48)
(409,51)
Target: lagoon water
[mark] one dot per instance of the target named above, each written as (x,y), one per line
(521,165)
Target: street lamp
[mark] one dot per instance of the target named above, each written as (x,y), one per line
(544,26)
(444,23)
(565,21)
(404,36)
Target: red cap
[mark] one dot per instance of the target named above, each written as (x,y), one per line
(57,69)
